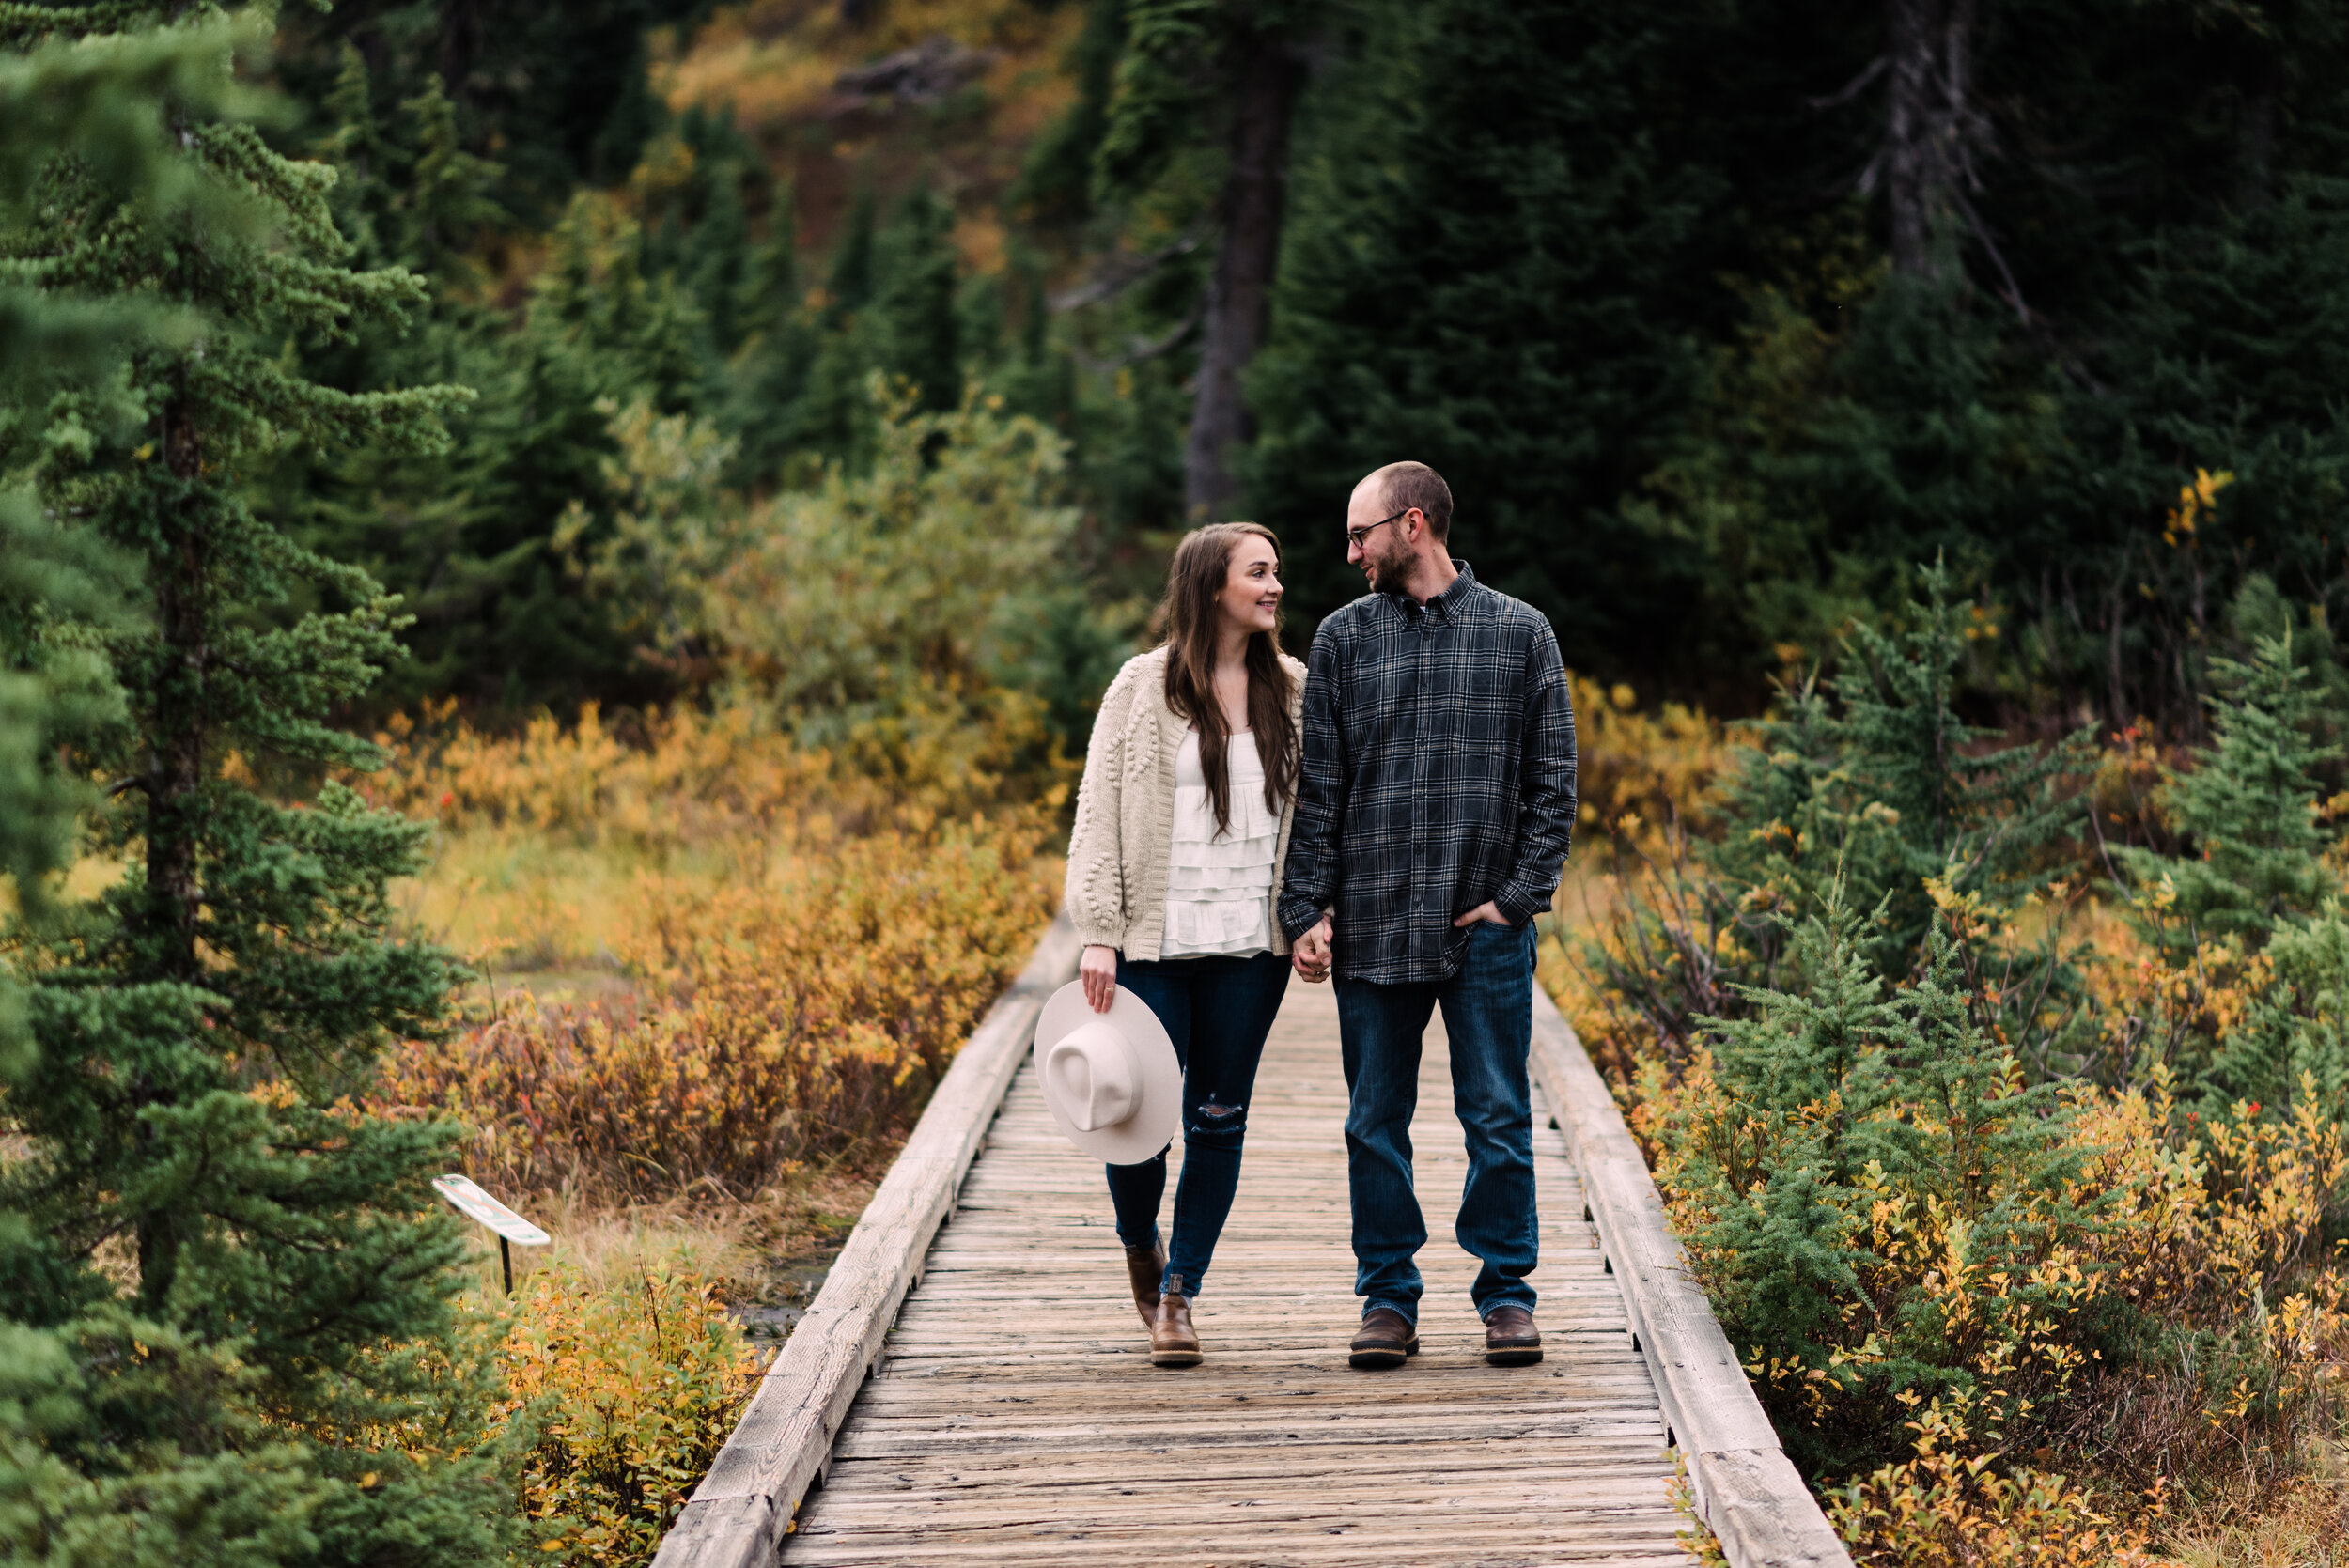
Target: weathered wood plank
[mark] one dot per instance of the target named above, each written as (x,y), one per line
(1015,1407)
(1745,1487)
(1010,1414)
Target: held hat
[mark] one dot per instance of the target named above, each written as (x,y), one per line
(1111,1078)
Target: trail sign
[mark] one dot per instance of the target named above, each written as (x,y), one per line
(474,1204)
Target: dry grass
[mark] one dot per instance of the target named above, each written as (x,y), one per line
(2302,1522)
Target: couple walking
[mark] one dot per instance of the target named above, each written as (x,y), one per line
(1393,813)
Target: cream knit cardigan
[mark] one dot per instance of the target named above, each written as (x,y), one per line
(1125,833)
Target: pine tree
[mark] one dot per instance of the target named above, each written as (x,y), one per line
(914,323)
(2246,810)
(1475,274)
(1780,1178)
(1844,1107)
(1866,790)
(1887,790)
(269,1369)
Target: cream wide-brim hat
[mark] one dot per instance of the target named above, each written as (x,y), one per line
(1111,1078)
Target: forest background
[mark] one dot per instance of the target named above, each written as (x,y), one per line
(718,454)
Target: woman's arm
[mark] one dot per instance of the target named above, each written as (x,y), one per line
(1094,895)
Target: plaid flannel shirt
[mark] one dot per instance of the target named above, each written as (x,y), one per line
(1438,773)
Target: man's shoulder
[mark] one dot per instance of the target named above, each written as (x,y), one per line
(1510,612)
(1491,600)
(1345,626)
(1349,618)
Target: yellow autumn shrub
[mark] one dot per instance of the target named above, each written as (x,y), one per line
(2164,1312)
(797,943)
(1640,771)
(629,1387)
(779,1020)
(1956,1504)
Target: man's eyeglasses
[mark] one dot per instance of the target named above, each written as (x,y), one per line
(1354,536)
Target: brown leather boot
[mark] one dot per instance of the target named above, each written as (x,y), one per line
(1510,1338)
(1172,1341)
(1145,1268)
(1385,1340)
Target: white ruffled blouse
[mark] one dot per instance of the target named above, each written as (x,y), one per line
(1219,889)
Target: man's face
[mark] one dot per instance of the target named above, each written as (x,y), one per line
(1384,548)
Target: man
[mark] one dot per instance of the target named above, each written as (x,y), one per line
(1433,817)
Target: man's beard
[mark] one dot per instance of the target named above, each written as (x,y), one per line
(1388,571)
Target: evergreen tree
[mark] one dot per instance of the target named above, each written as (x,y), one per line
(2246,812)
(1866,791)
(914,323)
(1840,1107)
(1889,790)
(770,373)
(1484,271)
(269,1370)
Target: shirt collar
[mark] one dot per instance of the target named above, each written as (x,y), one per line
(1447,603)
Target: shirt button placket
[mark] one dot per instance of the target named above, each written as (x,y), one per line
(1421,919)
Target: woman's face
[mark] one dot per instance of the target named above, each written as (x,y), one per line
(1251,600)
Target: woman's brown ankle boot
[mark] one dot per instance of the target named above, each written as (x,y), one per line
(1173,1344)
(1145,1268)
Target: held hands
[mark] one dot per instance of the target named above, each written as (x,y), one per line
(1488,911)
(1097,968)
(1310,955)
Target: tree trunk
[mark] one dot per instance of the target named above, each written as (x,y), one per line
(1239,292)
(1931,128)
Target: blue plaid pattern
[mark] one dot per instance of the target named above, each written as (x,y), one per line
(1438,773)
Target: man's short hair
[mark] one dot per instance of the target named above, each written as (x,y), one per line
(1409,485)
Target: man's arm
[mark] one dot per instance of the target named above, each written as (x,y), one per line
(1545,784)
(1309,878)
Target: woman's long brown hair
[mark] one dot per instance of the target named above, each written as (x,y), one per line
(1202,566)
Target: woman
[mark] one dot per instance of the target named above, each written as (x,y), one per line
(1182,821)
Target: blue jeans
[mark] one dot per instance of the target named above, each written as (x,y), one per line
(1219,1011)
(1488,1012)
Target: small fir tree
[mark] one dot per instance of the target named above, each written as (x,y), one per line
(2245,811)
(232,1294)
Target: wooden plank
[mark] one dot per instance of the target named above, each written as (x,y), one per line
(1010,1416)
(1014,1417)
(739,1514)
(1746,1489)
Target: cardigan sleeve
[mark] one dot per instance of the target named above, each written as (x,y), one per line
(1094,895)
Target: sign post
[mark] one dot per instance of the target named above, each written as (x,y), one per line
(509,1227)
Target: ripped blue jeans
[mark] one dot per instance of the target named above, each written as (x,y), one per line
(1219,1011)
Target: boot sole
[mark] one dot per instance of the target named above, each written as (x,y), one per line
(1380,1359)
(1176,1358)
(1514,1356)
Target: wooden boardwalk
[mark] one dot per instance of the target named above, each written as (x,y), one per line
(1013,1416)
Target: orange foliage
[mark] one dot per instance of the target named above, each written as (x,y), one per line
(794,1003)
(780,1022)
(1948,1508)
(1640,771)
(632,1389)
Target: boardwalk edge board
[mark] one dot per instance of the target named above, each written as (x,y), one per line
(743,1509)
(1746,1489)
